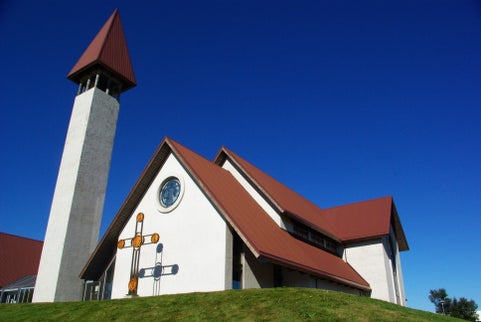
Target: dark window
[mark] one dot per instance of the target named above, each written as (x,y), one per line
(314,238)
(301,230)
(278,277)
(237,250)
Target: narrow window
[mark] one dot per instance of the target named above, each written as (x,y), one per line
(237,249)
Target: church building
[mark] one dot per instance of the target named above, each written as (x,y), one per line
(190,225)
(195,225)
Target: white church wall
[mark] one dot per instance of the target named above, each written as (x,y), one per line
(372,262)
(398,276)
(400,279)
(254,194)
(193,237)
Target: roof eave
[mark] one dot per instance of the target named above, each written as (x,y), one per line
(78,75)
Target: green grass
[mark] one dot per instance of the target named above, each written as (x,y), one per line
(279,304)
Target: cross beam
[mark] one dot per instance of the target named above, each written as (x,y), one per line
(136,243)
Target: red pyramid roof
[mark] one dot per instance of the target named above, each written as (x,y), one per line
(109,51)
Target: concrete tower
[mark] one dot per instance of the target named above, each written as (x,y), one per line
(102,72)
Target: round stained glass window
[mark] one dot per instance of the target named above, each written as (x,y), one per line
(170,192)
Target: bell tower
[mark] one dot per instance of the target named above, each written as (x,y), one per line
(102,73)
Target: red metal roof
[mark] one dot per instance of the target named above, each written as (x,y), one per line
(357,221)
(361,220)
(366,219)
(108,50)
(19,257)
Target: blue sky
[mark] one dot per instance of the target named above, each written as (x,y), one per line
(340,100)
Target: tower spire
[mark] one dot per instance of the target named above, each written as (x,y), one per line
(103,72)
(106,61)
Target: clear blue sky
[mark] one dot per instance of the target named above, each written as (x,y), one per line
(340,100)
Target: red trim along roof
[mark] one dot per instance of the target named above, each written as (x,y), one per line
(108,50)
(19,257)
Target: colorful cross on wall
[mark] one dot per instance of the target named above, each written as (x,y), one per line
(136,242)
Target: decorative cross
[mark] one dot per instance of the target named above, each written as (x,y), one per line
(136,242)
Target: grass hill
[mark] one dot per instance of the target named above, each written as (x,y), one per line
(279,304)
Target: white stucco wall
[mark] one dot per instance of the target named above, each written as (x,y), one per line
(398,278)
(402,290)
(372,261)
(193,236)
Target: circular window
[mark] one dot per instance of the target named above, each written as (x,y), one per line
(170,193)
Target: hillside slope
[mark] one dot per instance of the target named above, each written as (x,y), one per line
(280,304)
